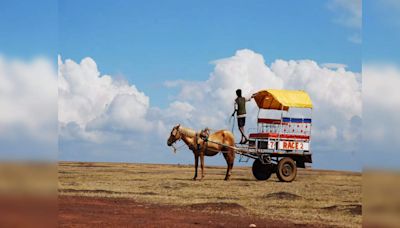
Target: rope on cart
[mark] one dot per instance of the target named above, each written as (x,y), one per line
(233,124)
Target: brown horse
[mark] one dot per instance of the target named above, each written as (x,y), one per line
(202,148)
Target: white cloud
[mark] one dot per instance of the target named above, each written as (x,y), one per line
(328,134)
(103,119)
(28,104)
(97,109)
(179,109)
(382,104)
(336,94)
(349,12)
(334,66)
(381,121)
(97,103)
(332,91)
(213,98)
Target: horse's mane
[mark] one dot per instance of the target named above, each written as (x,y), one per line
(187,131)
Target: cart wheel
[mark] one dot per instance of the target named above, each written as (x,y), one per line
(261,171)
(287,170)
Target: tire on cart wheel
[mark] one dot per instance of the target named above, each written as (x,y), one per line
(286,170)
(261,171)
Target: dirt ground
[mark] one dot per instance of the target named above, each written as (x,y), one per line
(116,212)
(123,194)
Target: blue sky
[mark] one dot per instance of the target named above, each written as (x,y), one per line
(381,31)
(149,42)
(28,29)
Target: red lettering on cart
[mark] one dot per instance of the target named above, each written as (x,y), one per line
(271,145)
(291,145)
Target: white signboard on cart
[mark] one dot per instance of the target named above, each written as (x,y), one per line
(293,145)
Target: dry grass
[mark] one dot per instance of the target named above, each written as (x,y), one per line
(317,197)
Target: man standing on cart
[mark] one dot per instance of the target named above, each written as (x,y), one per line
(240,110)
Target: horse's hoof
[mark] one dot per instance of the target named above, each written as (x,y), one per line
(194,178)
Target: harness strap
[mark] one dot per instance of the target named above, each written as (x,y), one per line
(197,142)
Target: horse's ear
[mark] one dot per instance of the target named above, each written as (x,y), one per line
(178,125)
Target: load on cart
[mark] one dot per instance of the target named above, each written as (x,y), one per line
(281,143)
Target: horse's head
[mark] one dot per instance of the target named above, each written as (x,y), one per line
(174,136)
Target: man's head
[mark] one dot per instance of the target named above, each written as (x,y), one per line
(239,92)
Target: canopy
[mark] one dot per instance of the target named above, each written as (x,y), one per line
(282,99)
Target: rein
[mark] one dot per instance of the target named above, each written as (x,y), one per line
(175,149)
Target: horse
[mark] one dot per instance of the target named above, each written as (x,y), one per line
(205,144)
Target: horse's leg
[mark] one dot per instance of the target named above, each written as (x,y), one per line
(226,156)
(231,162)
(202,165)
(196,164)
(230,159)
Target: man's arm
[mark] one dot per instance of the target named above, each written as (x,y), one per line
(252,96)
(234,109)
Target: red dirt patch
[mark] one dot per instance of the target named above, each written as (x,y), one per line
(118,212)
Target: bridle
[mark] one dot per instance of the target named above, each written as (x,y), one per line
(183,132)
(175,149)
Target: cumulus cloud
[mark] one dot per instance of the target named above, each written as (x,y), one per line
(95,103)
(213,98)
(381,87)
(95,108)
(104,119)
(28,104)
(331,90)
(334,65)
(380,114)
(336,94)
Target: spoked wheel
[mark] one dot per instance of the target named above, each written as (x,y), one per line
(286,170)
(262,171)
